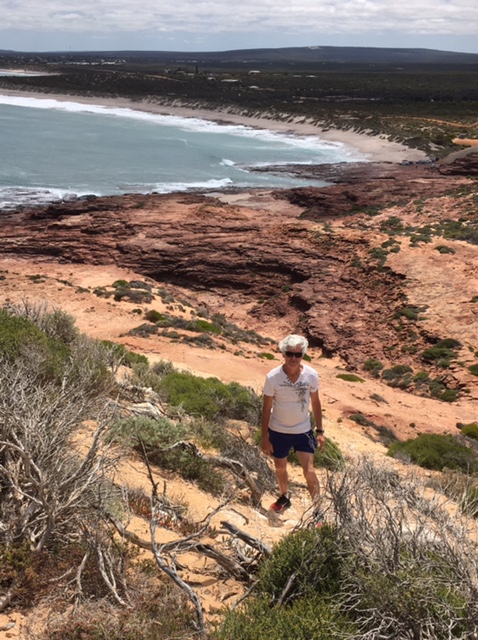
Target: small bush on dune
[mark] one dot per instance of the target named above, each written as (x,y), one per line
(211,398)
(156,440)
(289,596)
(144,375)
(153,433)
(399,376)
(437,452)
(350,377)
(122,355)
(153,316)
(309,554)
(190,467)
(442,353)
(330,458)
(374,366)
(305,619)
(470,430)
(19,336)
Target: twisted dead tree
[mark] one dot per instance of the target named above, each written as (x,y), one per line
(234,563)
(410,558)
(54,472)
(48,477)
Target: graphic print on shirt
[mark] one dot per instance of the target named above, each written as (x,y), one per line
(301,390)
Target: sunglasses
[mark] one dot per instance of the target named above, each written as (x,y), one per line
(294,354)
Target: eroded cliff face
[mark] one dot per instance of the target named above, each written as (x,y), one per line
(345,270)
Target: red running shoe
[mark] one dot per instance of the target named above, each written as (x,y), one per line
(283,502)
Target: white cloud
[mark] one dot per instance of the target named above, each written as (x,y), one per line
(276,19)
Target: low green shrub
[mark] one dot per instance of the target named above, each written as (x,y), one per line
(120,283)
(437,452)
(349,377)
(443,248)
(123,355)
(210,435)
(374,366)
(359,418)
(211,398)
(20,336)
(449,343)
(330,458)
(154,437)
(399,376)
(449,395)
(153,316)
(470,430)
(202,325)
(153,433)
(421,376)
(137,296)
(396,371)
(144,330)
(191,467)
(411,313)
(308,554)
(60,326)
(305,619)
(473,369)
(442,353)
(441,356)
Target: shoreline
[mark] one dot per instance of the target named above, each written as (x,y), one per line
(374,148)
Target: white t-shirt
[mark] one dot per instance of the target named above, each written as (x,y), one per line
(290,407)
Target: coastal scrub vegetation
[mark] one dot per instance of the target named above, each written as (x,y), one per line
(403,376)
(67,422)
(387,564)
(436,452)
(425,105)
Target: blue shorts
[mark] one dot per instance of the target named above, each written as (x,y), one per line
(282,443)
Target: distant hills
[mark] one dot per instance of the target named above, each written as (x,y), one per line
(262,58)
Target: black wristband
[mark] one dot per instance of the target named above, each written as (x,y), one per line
(319,432)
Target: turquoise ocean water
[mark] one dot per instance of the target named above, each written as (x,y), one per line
(52,149)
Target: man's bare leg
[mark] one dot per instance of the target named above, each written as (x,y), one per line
(307,462)
(280,465)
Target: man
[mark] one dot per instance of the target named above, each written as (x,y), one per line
(289,390)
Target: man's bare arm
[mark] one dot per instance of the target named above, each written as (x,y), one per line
(265,419)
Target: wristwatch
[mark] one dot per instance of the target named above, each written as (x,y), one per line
(319,432)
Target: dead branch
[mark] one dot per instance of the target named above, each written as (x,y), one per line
(170,570)
(230,565)
(6,600)
(108,575)
(248,539)
(236,467)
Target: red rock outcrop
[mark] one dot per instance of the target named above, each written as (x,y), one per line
(329,283)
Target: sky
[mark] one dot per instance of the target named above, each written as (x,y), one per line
(220,25)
